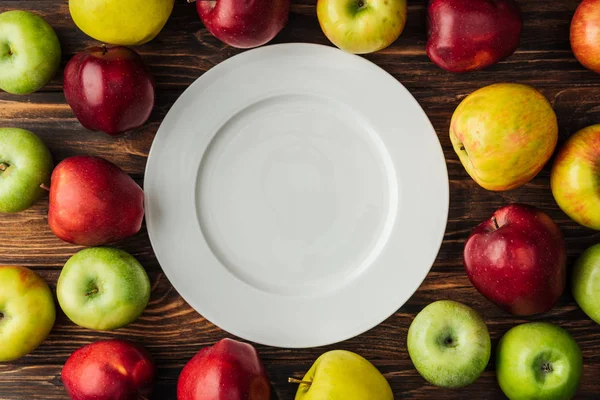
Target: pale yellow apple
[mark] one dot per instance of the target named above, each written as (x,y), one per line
(121,22)
(362,26)
(343,375)
(504,134)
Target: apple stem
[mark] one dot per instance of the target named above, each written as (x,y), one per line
(191,1)
(46,188)
(104,49)
(495,223)
(301,382)
(91,292)
(3,166)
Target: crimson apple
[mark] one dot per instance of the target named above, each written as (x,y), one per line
(227,370)
(93,202)
(468,35)
(585,28)
(517,259)
(109,89)
(244,24)
(109,370)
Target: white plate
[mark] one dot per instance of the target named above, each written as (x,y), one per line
(296,195)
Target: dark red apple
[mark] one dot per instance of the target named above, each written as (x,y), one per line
(109,89)
(585,31)
(468,35)
(93,202)
(244,24)
(227,370)
(517,259)
(109,370)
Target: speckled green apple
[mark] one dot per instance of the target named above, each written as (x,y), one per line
(25,164)
(103,288)
(538,360)
(343,375)
(575,177)
(27,312)
(449,344)
(362,26)
(585,282)
(504,134)
(29,52)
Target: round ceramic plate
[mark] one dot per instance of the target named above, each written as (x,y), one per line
(296,195)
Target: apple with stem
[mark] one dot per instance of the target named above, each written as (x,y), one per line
(538,360)
(362,26)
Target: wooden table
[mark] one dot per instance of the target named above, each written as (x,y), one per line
(172,330)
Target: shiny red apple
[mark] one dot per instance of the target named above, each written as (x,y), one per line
(468,35)
(227,370)
(109,370)
(585,34)
(517,259)
(109,89)
(244,24)
(93,202)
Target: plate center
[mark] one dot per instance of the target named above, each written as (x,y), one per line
(296,193)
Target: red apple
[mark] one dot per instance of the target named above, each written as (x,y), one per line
(244,24)
(109,89)
(227,370)
(468,35)
(109,370)
(585,33)
(517,259)
(93,202)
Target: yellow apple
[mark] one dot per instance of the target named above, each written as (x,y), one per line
(362,26)
(574,178)
(504,134)
(343,375)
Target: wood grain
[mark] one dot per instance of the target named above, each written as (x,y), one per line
(170,329)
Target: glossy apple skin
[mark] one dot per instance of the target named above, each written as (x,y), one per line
(228,370)
(109,370)
(93,202)
(469,35)
(244,24)
(585,34)
(575,177)
(109,89)
(519,265)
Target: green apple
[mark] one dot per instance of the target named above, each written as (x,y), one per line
(27,312)
(449,344)
(585,282)
(25,165)
(103,288)
(362,26)
(29,52)
(343,375)
(538,360)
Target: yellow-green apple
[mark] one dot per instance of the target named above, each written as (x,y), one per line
(538,360)
(93,202)
(25,167)
(103,288)
(585,31)
(574,177)
(517,259)
(244,24)
(27,312)
(227,370)
(585,282)
(341,374)
(504,134)
(29,52)
(109,370)
(362,26)
(467,35)
(449,344)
